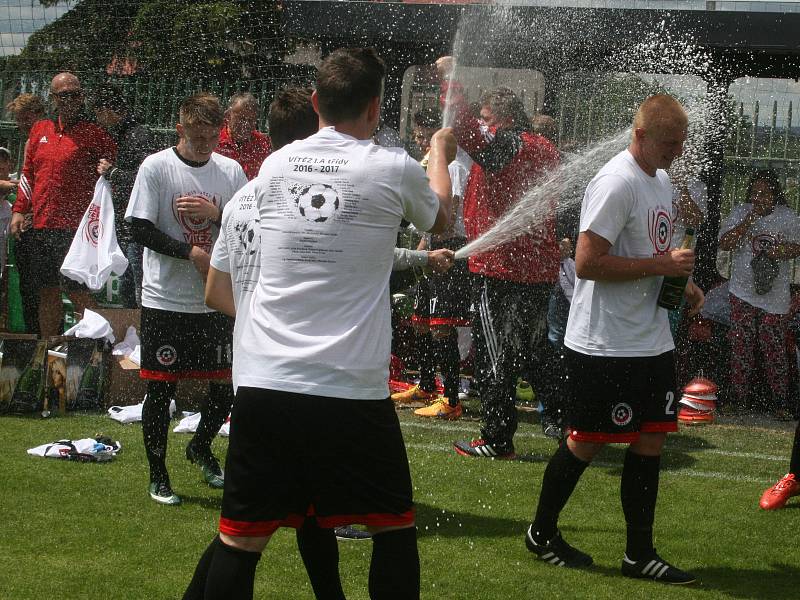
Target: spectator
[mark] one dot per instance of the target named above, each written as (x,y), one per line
(315,439)
(27,109)
(763,235)
(240,138)
(545,126)
(57,184)
(443,300)
(175,212)
(515,278)
(134,143)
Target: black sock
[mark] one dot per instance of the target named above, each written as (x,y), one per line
(197,586)
(794,466)
(450,363)
(213,414)
(427,362)
(320,552)
(155,425)
(394,570)
(559,481)
(639,492)
(231,574)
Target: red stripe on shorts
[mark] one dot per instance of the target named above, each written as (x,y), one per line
(454,321)
(659,427)
(604,438)
(176,376)
(368,519)
(258,528)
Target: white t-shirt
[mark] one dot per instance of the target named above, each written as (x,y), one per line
(781,226)
(329,207)
(237,251)
(459,175)
(633,211)
(173,283)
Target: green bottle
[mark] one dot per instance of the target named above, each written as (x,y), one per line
(28,394)
(672,288)
(90,387)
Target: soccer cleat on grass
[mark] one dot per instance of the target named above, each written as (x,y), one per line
(161,492)
(656,568)
(413,395)
(557,552)
(348,532)
(441,409)
(212,473)
(482,448)
(776,496)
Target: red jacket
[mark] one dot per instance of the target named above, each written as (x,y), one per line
(250,154)
(60,172)
(507,164)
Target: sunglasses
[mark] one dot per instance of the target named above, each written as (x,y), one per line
(71,95)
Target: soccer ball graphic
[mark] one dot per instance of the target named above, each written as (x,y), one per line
(249,237)
(318,202)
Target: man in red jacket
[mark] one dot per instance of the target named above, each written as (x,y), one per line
(240,138)
(517,276)
(57,184)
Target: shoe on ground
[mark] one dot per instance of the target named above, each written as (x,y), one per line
(777,496)
(656,568)
(413,395)
(161,492)
(482,448)
(551,428)
(557,552)
(208,463)
(441,409)
(348,532)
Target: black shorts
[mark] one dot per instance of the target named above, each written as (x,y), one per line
(179,345)
(613,399)
(49,248)
(445,299)
(294,456)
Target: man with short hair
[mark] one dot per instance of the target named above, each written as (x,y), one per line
(619,350)
(135,142)
(514,278)
(314,435)
(57,185)
(240,138)
(175,212)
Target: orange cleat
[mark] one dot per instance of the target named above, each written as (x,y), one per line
(441,409)
(777,496)
(414,395)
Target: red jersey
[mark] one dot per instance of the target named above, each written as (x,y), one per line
(60,172)
(250,154)
(507,164)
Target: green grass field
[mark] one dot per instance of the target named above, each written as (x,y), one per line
(72,530)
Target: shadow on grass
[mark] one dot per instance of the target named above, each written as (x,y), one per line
(612,457)
(779,581)
(213,503)
(432,520)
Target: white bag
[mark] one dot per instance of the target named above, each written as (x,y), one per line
(95,253)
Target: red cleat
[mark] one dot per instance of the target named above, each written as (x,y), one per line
(777,496)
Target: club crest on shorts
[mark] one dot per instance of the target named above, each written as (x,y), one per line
(166,355)
(621,414)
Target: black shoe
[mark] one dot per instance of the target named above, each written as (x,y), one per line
(348,532)
(482,448)
(656,568)
(212,473)
(557,552)
(551,428)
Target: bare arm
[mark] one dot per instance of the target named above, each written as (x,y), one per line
(733,238)
(592,261)
(219,292)
(443,152)
(785,251)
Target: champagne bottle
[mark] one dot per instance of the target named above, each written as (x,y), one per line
(28,394)
(90,387)
(672,288)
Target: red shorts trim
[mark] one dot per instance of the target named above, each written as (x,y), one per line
(454,321)
(659,427)
(604,438)
(422,320)
(295,521)
(172,377)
